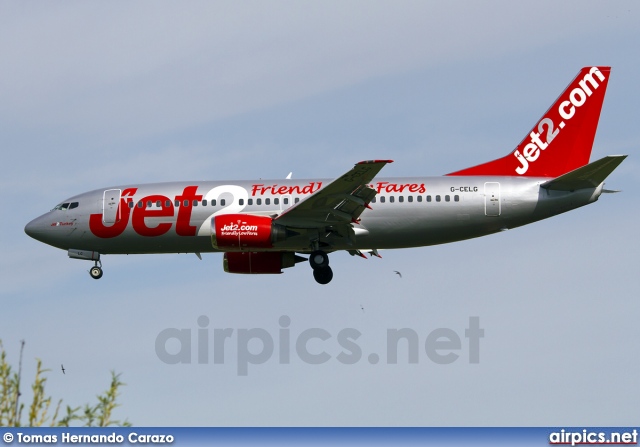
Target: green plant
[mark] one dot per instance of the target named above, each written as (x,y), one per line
(98,415)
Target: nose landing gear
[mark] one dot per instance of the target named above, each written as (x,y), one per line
(96,270)
(88,255)
(319,261)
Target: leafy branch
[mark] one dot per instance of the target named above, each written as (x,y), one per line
(98,415)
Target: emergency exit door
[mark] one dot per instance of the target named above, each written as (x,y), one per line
(492,199)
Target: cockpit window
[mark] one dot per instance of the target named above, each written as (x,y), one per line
(66,206)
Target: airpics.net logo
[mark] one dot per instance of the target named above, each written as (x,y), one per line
(313,346)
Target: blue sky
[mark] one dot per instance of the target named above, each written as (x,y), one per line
(99,94)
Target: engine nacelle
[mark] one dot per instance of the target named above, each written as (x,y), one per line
(258,263)
(231,232)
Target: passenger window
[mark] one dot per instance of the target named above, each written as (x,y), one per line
(382,199)
(258,201)
(159,203)
(401,199)
(195,203)
(419,198)
(213,202)
(131,205)
(240,201)
(249,201)
(204,202)
(373,200)
(438,198)
(267,201)
(456,198)
(149,204)
(410,199)
(392,199)
(276,201)
(177,203)
(167,203)
(140,204)
(447,198)
(222,201)
(285,201)
(185,203)
(297,199)
(428,198)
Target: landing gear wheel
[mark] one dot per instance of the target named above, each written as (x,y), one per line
(319,260)
(95,272)
(323,275)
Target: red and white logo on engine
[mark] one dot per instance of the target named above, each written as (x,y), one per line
(241,231)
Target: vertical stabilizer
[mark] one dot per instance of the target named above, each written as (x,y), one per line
(562,139)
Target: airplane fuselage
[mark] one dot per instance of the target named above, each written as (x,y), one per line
(406,212)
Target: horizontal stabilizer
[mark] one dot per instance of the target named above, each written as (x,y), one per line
(588,176)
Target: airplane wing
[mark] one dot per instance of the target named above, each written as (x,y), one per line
(339,203)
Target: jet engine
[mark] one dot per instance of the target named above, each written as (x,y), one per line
(259,262)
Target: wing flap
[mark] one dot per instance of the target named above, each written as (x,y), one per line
(588,176)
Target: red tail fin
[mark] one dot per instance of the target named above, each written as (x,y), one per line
(561,141)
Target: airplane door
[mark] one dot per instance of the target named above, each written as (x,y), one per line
(492,199)
(110,206)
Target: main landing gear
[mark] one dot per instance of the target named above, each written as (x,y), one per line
(319,261)
(88,255)
(96,270)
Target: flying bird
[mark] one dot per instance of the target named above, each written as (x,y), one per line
(361,307)
(398,273)
(62,367)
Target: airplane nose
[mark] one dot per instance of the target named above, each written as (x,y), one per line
(45,229)
(35,228)
(30,228)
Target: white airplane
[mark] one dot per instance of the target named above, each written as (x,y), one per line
(262,226)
